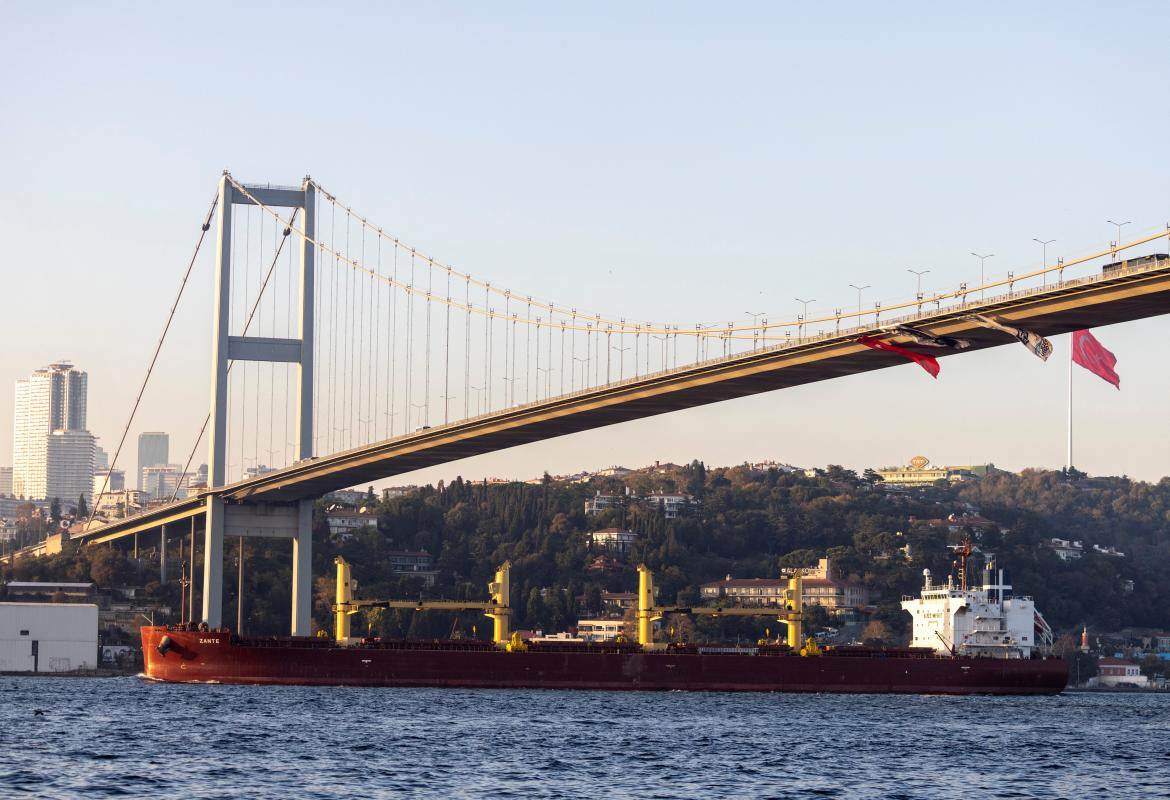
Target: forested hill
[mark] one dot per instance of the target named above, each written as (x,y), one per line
(742,522)
(750,523)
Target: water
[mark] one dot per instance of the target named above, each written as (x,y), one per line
(125,737)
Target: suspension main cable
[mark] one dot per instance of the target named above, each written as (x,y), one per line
(413,291)
(431,262)
(154,358)
(723,333)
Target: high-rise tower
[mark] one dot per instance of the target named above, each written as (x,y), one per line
(52,451)
(154,450)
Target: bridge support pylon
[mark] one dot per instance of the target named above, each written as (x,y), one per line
(228,346)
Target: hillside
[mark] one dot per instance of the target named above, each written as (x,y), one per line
(742,522)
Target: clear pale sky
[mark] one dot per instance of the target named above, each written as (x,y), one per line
(663,161)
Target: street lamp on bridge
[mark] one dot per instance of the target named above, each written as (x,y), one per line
(982,272)
(918,294)
(755,315)
(1044,257)
(803,316)
(1118,225)
(859,289)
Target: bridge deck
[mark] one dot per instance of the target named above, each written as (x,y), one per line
(1073,305)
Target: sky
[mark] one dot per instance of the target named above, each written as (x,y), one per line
(678,161)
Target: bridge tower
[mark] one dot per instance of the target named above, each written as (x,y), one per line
(259,520)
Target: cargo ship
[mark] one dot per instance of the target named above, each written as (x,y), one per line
(984,642)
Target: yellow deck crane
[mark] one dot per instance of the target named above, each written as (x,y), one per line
(497,609)
(791,614)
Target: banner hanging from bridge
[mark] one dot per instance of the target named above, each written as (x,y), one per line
(1039,346)
(928,363)
(932,339)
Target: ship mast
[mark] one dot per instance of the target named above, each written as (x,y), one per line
(963,551)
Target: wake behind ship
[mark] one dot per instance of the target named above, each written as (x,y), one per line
(997,652)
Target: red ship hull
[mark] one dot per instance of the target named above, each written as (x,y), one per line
(217,656)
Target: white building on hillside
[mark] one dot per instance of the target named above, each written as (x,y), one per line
(614,539)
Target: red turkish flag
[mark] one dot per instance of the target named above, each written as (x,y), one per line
(1093,356)
(928,363)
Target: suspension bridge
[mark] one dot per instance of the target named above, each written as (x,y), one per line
(342,355)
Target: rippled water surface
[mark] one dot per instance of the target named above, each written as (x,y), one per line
(128,737)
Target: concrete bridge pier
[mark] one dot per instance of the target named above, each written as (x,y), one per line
(302,576)
(162,554)
(213,562)
(293,521)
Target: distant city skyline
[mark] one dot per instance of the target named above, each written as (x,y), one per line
(706,167)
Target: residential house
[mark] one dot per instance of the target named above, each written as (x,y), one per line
(413,564)
(1065,549)
(344,521)
(615,540)
(1119,672)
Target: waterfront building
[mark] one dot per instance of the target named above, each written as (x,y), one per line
(48,637)
(599,630)
(154,448)
(1119,672)
(52,450)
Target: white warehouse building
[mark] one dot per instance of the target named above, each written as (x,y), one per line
(48,637)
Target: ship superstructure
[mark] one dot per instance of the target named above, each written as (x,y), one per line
(988,620)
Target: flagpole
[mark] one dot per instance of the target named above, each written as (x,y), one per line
(1070,407)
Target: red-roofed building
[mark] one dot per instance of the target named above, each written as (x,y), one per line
(1119,672)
